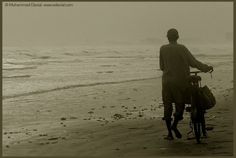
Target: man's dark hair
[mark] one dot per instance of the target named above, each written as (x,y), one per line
(172,35)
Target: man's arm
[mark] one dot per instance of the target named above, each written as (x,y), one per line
(193,62)
(161,60)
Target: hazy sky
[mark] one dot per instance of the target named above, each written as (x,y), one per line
(101,22)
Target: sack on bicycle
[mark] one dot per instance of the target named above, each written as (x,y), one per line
(207,98)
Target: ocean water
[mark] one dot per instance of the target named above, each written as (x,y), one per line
(33,70)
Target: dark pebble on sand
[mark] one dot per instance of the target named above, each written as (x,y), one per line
(144,147)
(34,129)
(90,112)
(8,137)
(5,133)
(7,146)
(118,116)
(63,118)
(117,149)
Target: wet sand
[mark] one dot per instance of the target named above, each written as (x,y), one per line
(115,120)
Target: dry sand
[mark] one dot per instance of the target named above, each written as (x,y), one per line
(114,120)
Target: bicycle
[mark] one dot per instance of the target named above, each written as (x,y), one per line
(197,121)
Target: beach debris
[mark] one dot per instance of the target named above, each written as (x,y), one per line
(53,138)
(118,116)
(63,118)
(73,117)
(128,113)
(90,112)
(140,115)
(27,133)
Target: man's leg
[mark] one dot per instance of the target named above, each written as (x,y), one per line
(167,117)
(179,110)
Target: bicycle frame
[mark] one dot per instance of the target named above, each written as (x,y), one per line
(196,112)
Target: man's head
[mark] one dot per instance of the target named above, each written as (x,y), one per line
(172,35)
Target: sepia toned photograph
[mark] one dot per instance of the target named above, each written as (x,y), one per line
(117,79)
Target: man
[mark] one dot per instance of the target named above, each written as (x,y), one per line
(175,62)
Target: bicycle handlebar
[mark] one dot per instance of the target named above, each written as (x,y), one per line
(195,72)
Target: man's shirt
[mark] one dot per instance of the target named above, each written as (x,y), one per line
(175,61)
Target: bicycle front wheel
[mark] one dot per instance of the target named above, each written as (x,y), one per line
(197,131)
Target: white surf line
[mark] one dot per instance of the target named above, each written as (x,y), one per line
(74,86)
